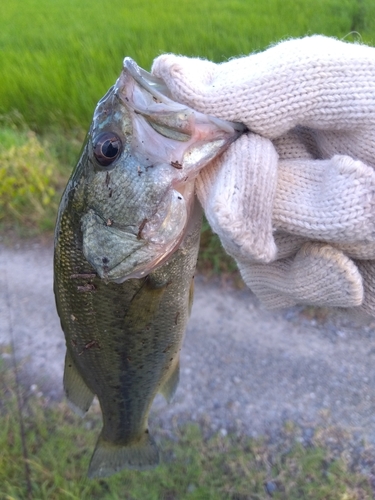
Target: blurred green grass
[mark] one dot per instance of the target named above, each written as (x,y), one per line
(58,58)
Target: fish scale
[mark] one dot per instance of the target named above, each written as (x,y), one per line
(124,339)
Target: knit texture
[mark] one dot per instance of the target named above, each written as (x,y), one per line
(318,274)
(237,197)
(293,226)
(297,143)
(319,82)
(330,200)
(288,244)
(367,270)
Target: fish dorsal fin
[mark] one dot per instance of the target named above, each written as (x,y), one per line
(169,387)
(109,458)
(79,395)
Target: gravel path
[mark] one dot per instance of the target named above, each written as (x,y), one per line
(242,368)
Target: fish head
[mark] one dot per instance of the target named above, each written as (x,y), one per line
(142,155)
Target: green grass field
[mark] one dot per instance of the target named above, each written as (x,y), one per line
(57,58)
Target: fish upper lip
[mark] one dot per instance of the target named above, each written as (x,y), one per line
(158,88)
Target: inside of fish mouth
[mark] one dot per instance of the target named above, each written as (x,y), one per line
(154,85)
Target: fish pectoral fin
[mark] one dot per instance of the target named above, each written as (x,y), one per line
(109,458)
(79,395)
(144,305)
(169,387)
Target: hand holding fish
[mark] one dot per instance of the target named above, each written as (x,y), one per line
(293,200)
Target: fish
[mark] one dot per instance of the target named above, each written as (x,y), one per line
(125,250)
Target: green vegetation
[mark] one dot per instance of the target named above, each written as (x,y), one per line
(58,58)
(27,180)
(33,172)
(59,446)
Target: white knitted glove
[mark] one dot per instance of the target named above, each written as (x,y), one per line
(298,191)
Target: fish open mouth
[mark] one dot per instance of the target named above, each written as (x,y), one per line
(159,90)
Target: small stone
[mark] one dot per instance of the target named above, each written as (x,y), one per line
(308,433)
(271,487)
(191,488)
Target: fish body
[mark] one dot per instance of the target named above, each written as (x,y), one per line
(126,244)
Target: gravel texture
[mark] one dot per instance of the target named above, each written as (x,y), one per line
(243,368)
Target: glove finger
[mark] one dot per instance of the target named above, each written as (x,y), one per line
(237,194)
(287,244)
(359,250)
(330,200)
(357,142)
(296,143)
(318,275)
(265,280)
(320,82)
(367,270)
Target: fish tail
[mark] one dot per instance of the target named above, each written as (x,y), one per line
(109,458)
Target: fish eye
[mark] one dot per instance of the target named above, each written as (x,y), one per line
(107,147)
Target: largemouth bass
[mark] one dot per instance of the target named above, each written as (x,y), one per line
(126,245)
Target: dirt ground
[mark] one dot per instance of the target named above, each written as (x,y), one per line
(242,368)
